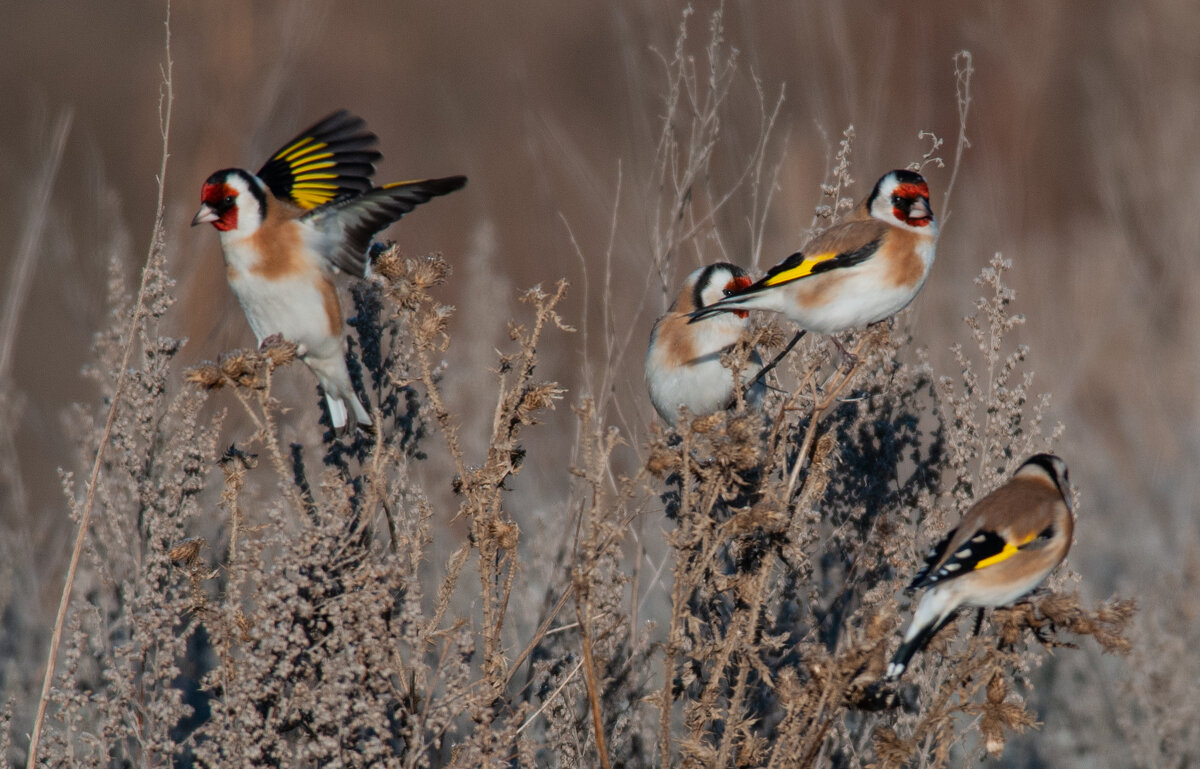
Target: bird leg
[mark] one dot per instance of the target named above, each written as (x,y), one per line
(849,359)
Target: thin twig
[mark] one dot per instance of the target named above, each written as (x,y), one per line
(818,411)
(156,246)
(589,670)
(962,93)
(774,361)
(546,703)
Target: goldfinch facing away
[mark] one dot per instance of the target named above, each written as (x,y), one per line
(308,214)
(1006,545)
(683,363)
(860,271)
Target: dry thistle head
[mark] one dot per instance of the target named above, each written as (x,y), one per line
(206,376)
(187,551)
(408,280)
(431,327)
(244,368)
(535,398)
(769,335)
(664,458)
(999,714)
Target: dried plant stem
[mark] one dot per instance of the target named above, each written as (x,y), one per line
(541,633)
(549,700)
(589,670)
(963,69)
(818,410)
(774,361)
(155,251)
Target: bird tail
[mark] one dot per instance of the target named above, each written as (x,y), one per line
(903,655)
(339,392)
(912,645)
(339,416)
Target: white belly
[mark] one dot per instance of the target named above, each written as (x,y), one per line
(703,385)
(291,306)
(860,301)
(844,299)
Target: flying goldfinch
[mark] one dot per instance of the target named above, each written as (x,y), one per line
(285,232)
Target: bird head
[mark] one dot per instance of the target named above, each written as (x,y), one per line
(231,200)
(901,198)
(1050,468)
(709,285)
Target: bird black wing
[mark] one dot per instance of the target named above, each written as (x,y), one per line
(333,159)
(981,550)
(359,218)
(802,264)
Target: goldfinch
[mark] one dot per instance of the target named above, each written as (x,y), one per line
(285,232)
(1006,545)
(856,273)
(683,362)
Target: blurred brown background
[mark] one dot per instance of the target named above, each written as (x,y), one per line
(1082,169)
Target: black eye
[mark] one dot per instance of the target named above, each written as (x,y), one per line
(227,201)
(897,201)
(727,291)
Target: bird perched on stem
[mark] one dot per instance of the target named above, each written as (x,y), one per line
(308,214)
(683,362)
(858,272)
(1007,543)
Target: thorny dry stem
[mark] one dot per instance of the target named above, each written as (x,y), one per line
(155,253)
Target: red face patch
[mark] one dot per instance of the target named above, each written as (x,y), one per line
(739,283)
(222,199)
(911,193)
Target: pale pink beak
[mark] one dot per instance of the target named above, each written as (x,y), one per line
(919,210)
(205,214)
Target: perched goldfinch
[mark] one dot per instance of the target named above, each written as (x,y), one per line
(856,273)
(683,362)
(1006,545)
(308,214)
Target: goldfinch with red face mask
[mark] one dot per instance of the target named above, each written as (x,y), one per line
(856,273)
(307,215)
(1007,543)
(683,362)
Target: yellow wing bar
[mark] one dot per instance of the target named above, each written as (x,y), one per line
(302,147)
(1009,550)
(801,270)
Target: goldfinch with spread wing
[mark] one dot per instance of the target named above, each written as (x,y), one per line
(683,362)
(1007,543)
(285,232)
(855,273)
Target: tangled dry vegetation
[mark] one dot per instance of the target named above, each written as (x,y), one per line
(255,604)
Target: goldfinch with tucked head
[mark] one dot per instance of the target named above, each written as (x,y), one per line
(683,363)
(1006,545)
(285,232)
(855,273)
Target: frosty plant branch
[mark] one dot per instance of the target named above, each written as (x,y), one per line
(155,251)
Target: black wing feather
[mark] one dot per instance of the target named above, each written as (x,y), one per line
(841,261)
(980,547)
(362,216)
